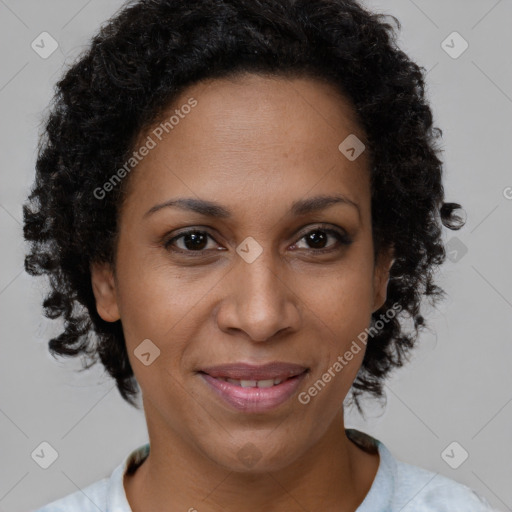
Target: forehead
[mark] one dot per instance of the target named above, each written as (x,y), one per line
(250,110)
(253,136)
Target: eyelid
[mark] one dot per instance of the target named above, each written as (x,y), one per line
(321,226)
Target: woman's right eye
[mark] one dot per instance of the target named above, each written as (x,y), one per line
(192,241)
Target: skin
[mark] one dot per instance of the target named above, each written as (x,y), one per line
(255,145)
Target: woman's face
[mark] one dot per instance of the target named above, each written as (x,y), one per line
(264,275)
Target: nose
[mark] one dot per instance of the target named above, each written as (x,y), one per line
(259,301)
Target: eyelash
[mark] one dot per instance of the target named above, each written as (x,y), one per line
(341,237)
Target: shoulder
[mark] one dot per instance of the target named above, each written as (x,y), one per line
(420,490)
(107,494)
(90,499)
(402,487)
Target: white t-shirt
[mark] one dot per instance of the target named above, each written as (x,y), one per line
(397,487)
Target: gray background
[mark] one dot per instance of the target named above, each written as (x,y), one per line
(458,386)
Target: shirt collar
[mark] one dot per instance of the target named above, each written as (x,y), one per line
(116,496)
(381,492)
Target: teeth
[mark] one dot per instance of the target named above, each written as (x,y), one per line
(266,383)
(253,383)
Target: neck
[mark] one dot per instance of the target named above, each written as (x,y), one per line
(334,474)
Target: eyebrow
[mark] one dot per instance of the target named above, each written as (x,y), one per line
(212,209)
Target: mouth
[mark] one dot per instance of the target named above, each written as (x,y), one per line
(266,383)
(275,370)
(251,388)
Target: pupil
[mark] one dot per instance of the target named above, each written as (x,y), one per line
(314,239)
(198,240)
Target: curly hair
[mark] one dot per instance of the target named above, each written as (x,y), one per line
(151,51)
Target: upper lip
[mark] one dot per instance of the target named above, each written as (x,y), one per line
(244,371)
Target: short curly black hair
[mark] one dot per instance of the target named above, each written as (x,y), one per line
(145,56)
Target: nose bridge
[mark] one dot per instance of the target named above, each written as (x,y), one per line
(257,276)
(260,303)
(262,273)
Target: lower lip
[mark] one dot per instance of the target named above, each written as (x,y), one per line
(254,399)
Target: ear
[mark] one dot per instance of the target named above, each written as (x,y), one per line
(383,265)
(104,289)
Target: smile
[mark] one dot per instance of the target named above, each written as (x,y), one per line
(253,383)
(253,396)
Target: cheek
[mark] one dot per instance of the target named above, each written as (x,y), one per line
(166,305)
(341,307)
(153,294)
(341,298)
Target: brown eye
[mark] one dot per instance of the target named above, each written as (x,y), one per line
(317,239)
(192,241)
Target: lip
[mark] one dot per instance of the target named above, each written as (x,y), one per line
(254,400)
(244,371)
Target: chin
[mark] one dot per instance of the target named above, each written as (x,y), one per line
(251,455)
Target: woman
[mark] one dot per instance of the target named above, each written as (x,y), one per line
(239,204)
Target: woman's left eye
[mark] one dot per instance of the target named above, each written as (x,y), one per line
(197,241)
(319,236)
